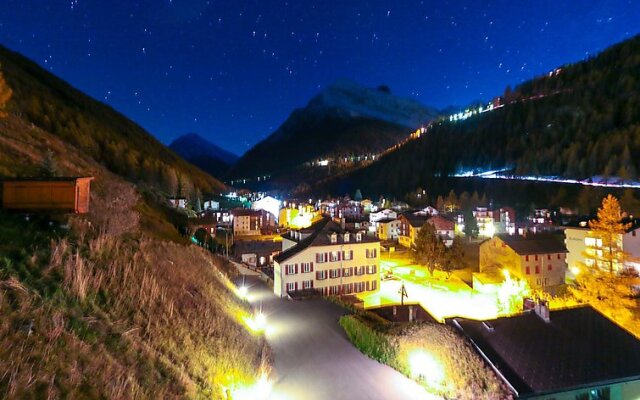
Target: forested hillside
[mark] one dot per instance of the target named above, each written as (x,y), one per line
(95,128)
(582,120)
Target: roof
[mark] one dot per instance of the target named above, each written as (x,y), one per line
(415,220)
(579,347)
(320,236)
(534,244)
(583,223)
(49,179)
(386,220)
(441,223)
(239,212)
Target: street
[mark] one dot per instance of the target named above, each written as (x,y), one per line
(315,360)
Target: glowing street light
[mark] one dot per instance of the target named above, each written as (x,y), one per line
(258,391)
(425,367)
(243,292)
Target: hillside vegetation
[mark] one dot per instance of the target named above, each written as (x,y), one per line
(113,304)
(95,128)
(581,121)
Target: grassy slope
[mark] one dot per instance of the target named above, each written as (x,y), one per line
(98,130)
(115,307)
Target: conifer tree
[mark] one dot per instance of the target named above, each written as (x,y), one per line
(428,249)
(49,167)
(607,231)
(5,95)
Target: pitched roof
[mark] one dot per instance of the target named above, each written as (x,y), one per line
(579,347)
(441,223)
(320,236)
(415,220)
(534,244)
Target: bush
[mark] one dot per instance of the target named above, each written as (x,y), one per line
(370,342)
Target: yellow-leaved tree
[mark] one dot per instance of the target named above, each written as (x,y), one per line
(5,95)
(603,280)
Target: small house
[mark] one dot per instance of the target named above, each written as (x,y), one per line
(63,195)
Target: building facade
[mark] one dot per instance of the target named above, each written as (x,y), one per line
(329,260)
(538,259)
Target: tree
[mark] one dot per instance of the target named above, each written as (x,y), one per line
(197,204)
(428,249)
(5,95)
(607,231)
(470,225)
(49,166)
(358,195)
(452,258)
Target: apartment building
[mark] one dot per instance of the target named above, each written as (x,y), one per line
(538,259)
(328,259)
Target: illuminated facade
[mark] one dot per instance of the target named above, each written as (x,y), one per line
(410,224)
(581,243)
(538,259)
(327,259)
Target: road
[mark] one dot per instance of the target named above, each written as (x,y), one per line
(315,360)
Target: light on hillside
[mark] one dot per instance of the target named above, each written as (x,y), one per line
(258,391)
(426,368)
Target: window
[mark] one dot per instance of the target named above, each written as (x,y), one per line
(371,253)
(321,257)
(536,257)
(374,285)
(528,270)
(334,290)
(321,275)
(307,267)
(335,273)
(334,256)
(558,256)
(291,287)
(360,270)
(537,269)
(358,287)
(291,269)
(347,288)
(347,271)
(347,255)
(307,284)
(371,269)
(549,267)
(548,256)
(526,258)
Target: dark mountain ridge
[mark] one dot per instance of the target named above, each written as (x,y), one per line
(203,154)
(343,119)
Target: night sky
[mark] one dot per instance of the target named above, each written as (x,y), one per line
(233,70)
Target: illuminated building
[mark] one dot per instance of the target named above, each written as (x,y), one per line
(410,224)
(580,242)
(327,259)
(570,354)
(388,229)
(540,260)
(269,204)
(251,222)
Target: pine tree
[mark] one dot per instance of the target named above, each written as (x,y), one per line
(607,231)
(428,249)
(470,225)
(5,95)
(49,167)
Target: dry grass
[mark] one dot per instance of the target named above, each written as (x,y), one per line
(106,311)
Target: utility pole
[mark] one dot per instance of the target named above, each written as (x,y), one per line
(403,294)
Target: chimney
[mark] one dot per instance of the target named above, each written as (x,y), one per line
(542,310)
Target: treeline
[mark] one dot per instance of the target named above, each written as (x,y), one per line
(581,122)
(95,128)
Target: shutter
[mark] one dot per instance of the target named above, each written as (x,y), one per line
(375,268)
(311,264)
(295,286)
(318,275)
(286,269)
(339,255)
(350,254)
(317,257)
(311,283)
(350,270)
(367,285)
(326,257)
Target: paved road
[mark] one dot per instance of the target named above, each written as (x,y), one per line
(315,360)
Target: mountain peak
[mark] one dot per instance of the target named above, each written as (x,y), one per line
(355,100)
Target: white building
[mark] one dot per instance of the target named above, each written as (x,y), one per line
(211,205)
(327,258)
(579,242)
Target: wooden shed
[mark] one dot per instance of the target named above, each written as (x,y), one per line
(64,195)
